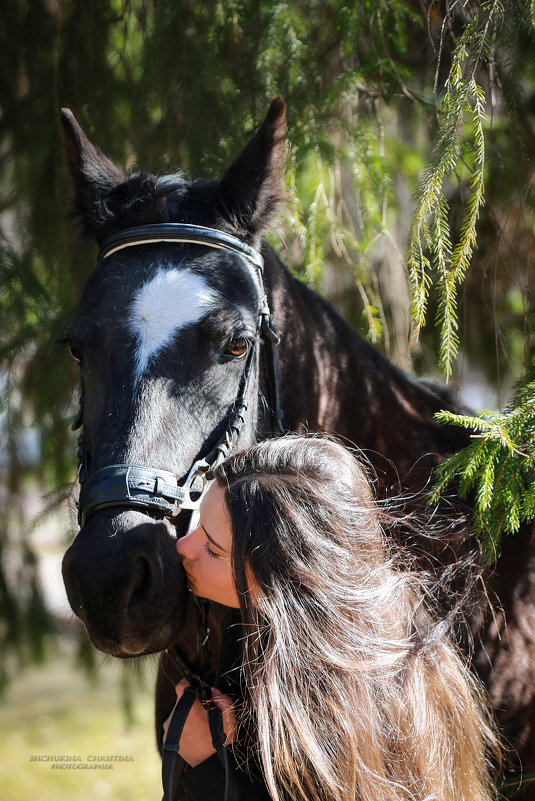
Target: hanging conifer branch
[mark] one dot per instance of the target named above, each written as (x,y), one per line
(460,138)
(497,468)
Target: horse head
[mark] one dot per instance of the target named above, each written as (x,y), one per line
(167,337)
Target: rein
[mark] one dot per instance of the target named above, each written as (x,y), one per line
(159,493)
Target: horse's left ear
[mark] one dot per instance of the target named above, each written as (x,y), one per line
(93,175)
(253,184)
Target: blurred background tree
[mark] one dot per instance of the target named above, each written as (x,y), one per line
(412,130)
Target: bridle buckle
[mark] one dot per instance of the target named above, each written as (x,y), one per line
(193,497)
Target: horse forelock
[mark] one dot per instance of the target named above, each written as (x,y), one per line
(143,199)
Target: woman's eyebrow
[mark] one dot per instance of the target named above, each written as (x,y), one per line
(212,540)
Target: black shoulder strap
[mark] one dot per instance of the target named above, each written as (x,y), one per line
(215,722)
(170,755)
(171,759)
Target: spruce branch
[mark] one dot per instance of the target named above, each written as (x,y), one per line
(460,138)
(497,469)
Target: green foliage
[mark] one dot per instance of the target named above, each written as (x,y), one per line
(461,110)
(370,86)
(489,36)
(497,470)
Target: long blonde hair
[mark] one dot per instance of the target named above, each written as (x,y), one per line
(354,692)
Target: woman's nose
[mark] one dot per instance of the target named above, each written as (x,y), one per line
(185,546)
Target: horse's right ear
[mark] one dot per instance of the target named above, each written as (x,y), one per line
(253,184)
(92,174)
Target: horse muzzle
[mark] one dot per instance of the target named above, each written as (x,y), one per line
(125,582)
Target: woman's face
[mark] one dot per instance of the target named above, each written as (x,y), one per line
(206,551)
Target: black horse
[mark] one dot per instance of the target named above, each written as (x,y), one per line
(164,334)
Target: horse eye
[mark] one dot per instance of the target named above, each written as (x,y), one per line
(75,353)
(237,347)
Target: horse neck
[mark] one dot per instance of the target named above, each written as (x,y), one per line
(333,381)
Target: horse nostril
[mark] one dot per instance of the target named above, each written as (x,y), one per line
(141,586)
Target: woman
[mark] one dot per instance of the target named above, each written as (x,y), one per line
(352,691)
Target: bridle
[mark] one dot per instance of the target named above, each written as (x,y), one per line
(154,490)
(158,493)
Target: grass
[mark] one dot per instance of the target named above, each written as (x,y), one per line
(54,711)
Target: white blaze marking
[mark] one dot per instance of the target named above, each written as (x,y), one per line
(168,302)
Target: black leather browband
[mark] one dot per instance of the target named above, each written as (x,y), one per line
(179,232)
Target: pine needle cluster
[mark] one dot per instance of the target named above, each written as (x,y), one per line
(460,140)
(497,470)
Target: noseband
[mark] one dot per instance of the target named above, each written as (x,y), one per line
(156,491)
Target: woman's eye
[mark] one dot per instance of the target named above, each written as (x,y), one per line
(209,550)
(237,347)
